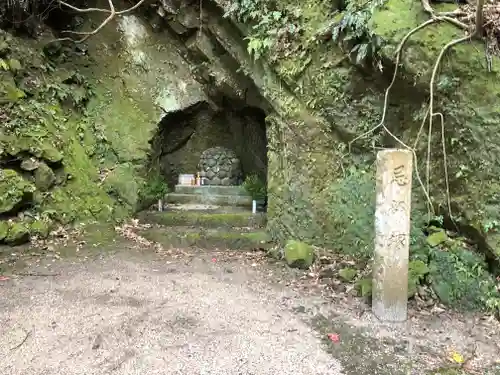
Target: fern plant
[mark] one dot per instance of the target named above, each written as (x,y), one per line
(269,24)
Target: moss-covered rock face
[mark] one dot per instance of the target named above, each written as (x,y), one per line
(14,190)
(466,93)
(324,97)
(299,254)
(460,278)
(75,127)
(40,228)
(17,234)
(44,177)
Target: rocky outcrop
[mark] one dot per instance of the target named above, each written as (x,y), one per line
(76,121)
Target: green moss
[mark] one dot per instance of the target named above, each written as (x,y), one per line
(154,188)
(207,239)
(349,214)
(18,233)
(123,184)
(256,237)
(203,219)
(80,198)
(40,228)
(13,190)
(9,92)
(299,254)
(460,278)
(15,65)
(121,119)
(4,229)
(348,274)
(51,154)
(33,141)
(437,238)
(364,287)
(417,270)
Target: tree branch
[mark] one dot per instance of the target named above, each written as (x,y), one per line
(87,34)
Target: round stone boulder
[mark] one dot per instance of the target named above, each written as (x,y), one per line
(220,166)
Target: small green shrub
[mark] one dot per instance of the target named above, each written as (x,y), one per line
(255,187)
(153,189)
(269,24)
(460,278)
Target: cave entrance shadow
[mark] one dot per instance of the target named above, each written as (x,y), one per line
(182,136)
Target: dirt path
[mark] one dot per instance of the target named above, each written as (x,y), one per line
(193,312)
(128,315)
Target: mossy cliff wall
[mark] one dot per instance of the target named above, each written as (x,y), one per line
(76,121)
(308,156)
(326,68)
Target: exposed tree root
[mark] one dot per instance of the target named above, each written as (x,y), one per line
(87,34)
(452,18)
(381,124)
(431,116)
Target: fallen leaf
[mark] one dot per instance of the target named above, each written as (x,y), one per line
(334,337)
(457,358)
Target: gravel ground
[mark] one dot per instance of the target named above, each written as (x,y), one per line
(121,314)
(111,308)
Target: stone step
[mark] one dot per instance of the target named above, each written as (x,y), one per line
(175,218)
(211,190)
(219,200)
(206,208)
(207,239)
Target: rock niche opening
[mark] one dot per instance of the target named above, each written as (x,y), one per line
(226,143)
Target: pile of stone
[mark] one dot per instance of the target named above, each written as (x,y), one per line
(220,166)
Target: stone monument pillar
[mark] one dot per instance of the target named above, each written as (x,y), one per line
(392,235)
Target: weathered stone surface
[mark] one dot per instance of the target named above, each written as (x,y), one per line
(221,166)
(30,164)
(44,177)
(392,234)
